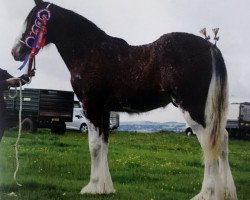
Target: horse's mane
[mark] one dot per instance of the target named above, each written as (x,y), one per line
(76,20)
(28,20)
(68,17)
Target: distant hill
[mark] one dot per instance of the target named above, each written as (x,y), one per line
(148,126)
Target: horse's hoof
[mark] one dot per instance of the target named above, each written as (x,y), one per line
(230,195)
(97,188)
(207,195)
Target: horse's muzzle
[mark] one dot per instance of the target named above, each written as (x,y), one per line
(19,51)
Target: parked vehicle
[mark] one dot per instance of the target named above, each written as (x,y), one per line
(79,121)
(41,109)
(114,120)
(189,131)
(238,122)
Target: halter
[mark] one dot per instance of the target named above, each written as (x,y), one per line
(37,37)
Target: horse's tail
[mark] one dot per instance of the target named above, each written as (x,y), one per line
(217,104)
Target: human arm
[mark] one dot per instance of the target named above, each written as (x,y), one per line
(3,85)
(7,80)
(4,76)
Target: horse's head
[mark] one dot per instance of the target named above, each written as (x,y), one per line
(35,23)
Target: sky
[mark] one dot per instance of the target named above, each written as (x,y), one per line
(139,22)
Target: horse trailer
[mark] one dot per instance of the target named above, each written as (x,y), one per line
(41,108)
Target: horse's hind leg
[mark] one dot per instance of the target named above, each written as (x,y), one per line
(100,178)
(225,172)
(211,181)
(218,182)
(212,184)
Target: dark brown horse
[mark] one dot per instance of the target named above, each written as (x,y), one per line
(108,74)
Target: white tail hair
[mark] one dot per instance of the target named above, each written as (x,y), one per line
(216,106)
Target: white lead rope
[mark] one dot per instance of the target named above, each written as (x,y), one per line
(20,127)
(19,133)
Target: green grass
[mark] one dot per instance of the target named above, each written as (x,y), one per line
(143,166)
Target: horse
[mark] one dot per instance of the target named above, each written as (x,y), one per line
(108,74)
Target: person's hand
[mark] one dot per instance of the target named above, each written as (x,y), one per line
(13,81)
(24,78)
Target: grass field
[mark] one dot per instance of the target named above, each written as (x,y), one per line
(143,166)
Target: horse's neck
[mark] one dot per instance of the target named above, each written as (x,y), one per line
(74,36)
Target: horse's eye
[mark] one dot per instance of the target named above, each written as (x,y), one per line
(43,13)
(30,41)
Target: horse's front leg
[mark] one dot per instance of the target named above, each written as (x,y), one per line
(100,178)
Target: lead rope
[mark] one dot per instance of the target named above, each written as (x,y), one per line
(20,127)
(19,133)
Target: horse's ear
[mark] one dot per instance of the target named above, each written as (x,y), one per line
(37,2)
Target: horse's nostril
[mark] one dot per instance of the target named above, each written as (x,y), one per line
(13,52)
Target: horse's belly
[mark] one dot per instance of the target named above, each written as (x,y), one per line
(141,103)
